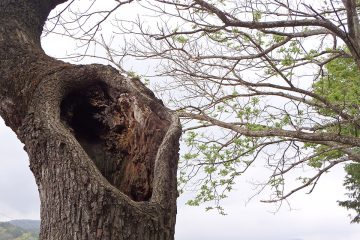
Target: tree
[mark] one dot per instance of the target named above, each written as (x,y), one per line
(102,148)
(263,73)
(254,69)
(352,183)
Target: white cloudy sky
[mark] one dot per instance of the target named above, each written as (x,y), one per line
(314,217)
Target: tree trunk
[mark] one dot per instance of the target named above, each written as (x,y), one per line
(102,148)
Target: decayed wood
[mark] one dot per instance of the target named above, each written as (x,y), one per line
(102,148)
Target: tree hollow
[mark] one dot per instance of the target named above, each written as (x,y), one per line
(118,133)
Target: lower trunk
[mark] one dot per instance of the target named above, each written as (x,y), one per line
(102,148)
(103,158)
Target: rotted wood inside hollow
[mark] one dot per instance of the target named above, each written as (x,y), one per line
(119,133)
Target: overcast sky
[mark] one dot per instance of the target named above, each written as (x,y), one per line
(314,217)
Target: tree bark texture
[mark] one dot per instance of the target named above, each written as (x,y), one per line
(102,148)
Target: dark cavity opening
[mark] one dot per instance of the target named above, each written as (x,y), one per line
(120,137)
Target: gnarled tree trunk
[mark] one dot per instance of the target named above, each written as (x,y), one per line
(102,148)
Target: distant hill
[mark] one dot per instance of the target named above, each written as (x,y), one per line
(20,230)
(30,225)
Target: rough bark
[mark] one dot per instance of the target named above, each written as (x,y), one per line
(102,148)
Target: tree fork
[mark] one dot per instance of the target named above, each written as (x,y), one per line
(102,148)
